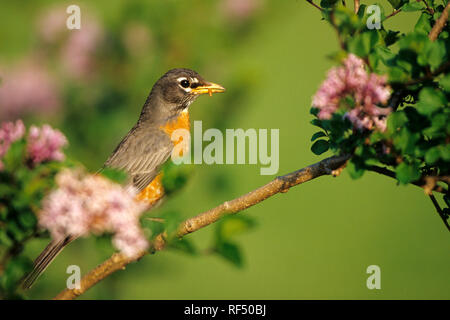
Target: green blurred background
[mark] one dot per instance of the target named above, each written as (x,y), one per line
(314,242)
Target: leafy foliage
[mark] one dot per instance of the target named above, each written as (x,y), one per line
(226,230)
(416,143)
(22,188)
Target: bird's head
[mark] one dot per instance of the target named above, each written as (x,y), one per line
(178,88)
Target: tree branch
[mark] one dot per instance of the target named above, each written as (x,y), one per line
(329,166)
(356,5)
(440,23)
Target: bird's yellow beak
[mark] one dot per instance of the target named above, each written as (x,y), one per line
(208,88)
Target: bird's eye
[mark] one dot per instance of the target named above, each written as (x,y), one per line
(185,83)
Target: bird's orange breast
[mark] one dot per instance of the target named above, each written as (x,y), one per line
(182,122)
(155,190)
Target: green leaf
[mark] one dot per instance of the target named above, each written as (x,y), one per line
(183,245)
(435,52)
(175,176)
(328,3)
(5,241)
(15,156)
(14,231)
(317,123)
(225,230)
(318,135)
(406,140)
(362,44)
(397,74)
(430,100)
(439,121)
(397,3)
(395,121)
(407,173)
(423,25)
(115,175)
(391,37)
(413,42)
(15,270)
(432,155)
(173,219)
(154,227)
(445,152)
(230,252)
(232,225)
(320,146)
(413,6)
(355,170)
(314,111)
(385,54)
(27,219)
(445,82)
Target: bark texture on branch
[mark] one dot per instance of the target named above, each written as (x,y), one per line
(440,23)
(329,166)
(356,5)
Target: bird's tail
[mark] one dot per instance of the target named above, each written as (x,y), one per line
(44,259)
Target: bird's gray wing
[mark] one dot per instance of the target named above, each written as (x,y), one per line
(141,154)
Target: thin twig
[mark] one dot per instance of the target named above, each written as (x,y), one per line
(422,182)
(392,14)
(439,211)
(278,185)
(339,36)
(430,10)
(315,5)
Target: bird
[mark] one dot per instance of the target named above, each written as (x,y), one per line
(147,146)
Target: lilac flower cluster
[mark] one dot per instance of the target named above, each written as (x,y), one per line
(85,203)
(240,10)
(77,48)
(27,88)
(9,132)
(43,144)
(78,53)
(367,91)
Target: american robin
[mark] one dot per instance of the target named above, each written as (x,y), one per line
(148,145)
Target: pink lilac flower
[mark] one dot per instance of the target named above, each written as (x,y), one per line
(78,53)
(51,24)
(77,47)
(44,144)
(9,132)
(27,88)
(86,204)
(239,9)
(367,90)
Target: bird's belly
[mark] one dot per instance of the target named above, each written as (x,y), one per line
(153,192)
